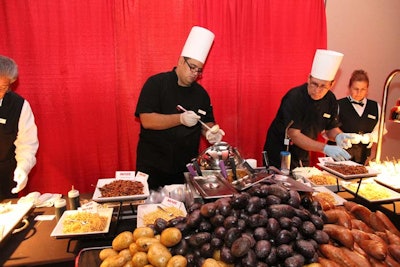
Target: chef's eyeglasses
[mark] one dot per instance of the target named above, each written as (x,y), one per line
(315,85)
(193,68)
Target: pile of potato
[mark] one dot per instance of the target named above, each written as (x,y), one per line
(359,237)
(142,248)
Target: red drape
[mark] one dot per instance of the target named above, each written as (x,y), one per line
(82,65)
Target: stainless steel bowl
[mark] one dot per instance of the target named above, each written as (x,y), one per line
(210,158)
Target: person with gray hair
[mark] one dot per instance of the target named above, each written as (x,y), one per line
(18,133)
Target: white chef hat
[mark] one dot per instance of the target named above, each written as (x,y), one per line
(325,65)
(198,44)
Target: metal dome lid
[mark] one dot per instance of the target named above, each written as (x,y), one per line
(210,158)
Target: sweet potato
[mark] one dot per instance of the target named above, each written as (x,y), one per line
(392,238)
(337,255)
(374,248)
(360,225)
(377,263)
(348,205)
(359,259)
(341,234)
(359,235)
(391,262)
(327,263)
(387,222)
(362,213)
(338,216)
(376,223)
(325,204)
(394,251)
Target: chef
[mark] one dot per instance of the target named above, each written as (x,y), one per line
(170,136)
(306,111)
(18,134)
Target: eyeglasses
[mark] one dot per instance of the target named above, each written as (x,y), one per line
(194,69)
(315,85)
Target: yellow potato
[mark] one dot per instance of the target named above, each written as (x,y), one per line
(133,248)
(142,231)
(217,255)
(128,264)
(139,259)
(122,240)
(170,237)
(158,255)
(113,261)
(210,263)
(143,243)
(177,261)
(126,254)
(105,253)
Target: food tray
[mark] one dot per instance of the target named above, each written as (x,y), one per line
(102,182)
(338,199)
(11,217)
(58,229)
(352,188)
(391,182)
(333,187)
(291,183)
(147,208)
(212,186)
(250,180)
(371,172)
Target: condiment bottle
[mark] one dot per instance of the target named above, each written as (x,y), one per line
(60,205)
(73,196)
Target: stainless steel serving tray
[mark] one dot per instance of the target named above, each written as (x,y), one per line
(212,186)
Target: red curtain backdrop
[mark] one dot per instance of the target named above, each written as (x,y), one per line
(82,65)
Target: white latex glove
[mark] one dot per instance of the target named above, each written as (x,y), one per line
(21,178)
(189,118)
(214,136)
(356,138)
(367,139)
(343,140)
(337,153)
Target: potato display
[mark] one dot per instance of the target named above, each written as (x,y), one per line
(267,225)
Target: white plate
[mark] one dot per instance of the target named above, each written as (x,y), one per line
(102,182)
(392,182)
(393,195)
(371,172)
(333,187)
(147,208)
(338,199)
(12,216)
(58,229)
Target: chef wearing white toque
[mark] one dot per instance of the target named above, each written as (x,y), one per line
(306,111)
(170,136)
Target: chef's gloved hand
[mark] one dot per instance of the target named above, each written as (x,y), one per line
(367,139)
(343,140)
(21,178)
(337,153)
(189,118)
(356,138)
(215,134)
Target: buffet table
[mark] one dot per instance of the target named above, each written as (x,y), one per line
(35,247)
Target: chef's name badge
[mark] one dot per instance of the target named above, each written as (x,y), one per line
(326,115)
(370,116)
(125,174)
(202,112)
(3,121)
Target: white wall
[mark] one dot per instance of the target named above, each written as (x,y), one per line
(368,33)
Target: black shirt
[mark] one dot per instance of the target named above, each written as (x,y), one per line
(308,115)
(168,151)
